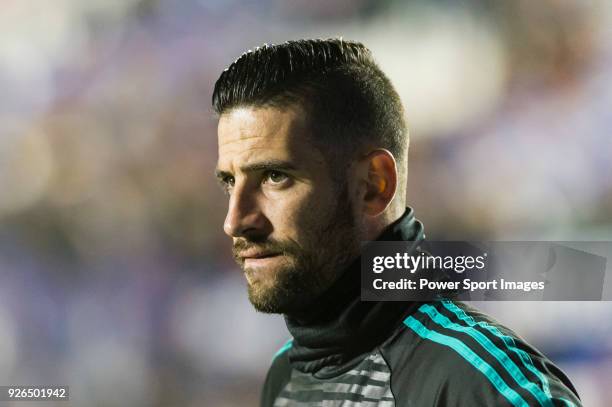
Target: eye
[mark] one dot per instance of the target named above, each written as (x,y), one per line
(275,177)
(227,183)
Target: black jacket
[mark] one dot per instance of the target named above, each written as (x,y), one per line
(346,352)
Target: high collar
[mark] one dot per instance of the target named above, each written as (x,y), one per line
(340,327)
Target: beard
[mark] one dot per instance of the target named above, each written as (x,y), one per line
(310,268)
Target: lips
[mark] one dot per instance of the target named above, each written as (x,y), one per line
(257,255)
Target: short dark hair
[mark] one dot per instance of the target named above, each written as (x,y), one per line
(350,102)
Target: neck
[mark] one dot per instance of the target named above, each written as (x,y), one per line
(339,326)
(378,224)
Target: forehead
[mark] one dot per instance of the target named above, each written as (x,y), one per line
(250,134)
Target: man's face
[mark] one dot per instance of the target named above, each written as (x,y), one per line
(292,227)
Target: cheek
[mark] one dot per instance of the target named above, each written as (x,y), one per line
(299,215)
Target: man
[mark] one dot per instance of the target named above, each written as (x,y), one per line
(313,156)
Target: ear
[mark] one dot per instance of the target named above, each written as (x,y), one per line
(379,181)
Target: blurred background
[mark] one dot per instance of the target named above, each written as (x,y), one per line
(115,276)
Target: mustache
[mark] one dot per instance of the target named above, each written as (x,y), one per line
(268,246)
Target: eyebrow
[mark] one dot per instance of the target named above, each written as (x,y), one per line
(259,166)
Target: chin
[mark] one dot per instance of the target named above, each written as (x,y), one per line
(269,298)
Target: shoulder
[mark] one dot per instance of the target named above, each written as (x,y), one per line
(464,357)
(278,375)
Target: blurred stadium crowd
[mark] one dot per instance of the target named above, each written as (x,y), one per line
(115,276)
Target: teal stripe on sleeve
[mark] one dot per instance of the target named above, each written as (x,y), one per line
(501,356)
(567,402)
(508,340)
(512,396)
(284,349)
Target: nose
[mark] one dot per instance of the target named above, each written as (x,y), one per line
(245,217)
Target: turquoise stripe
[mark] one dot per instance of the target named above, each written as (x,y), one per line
(508,340)
(567,402)
(501,356)
(285,348)
(513,397)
